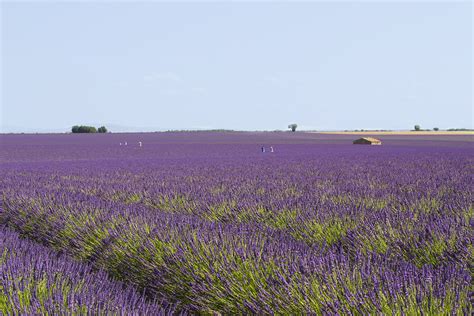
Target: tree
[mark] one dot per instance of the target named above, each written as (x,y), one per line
(436,129)
(87,129)
(83,129)
(417,127)
(102,129)
(293,127)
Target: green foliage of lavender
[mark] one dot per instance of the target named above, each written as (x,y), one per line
(36,281)
(310,229)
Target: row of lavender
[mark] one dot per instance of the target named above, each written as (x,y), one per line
(235,270)
(36,280)
(326,229)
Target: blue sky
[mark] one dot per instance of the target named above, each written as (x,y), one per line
(247,66)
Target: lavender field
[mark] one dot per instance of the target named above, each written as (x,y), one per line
(205,223)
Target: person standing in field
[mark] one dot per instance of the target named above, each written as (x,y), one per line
(271,149)
(263,149)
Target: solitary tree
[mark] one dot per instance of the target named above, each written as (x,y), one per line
(102,129)
(436,129)
(417,127)
(293,127)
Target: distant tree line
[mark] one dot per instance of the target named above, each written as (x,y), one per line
(88,129)
(419,129)
(460,129)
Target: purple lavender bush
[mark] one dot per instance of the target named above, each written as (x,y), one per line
(210,223)
(36,280)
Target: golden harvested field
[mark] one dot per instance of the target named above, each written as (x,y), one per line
(439,133)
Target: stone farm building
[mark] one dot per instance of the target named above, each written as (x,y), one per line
(367,141)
